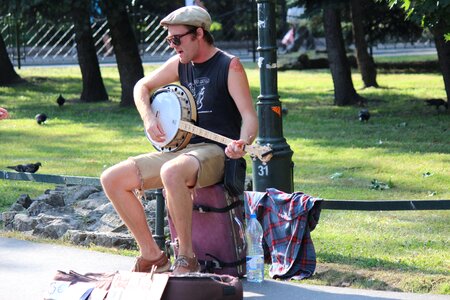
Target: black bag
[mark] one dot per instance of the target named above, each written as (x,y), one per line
(234,177)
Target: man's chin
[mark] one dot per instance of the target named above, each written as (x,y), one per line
(182,58)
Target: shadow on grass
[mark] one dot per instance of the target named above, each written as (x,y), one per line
(332,277)
(374,263)
(311,116)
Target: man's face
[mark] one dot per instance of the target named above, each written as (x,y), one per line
(183,41)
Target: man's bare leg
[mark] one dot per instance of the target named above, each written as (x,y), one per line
(179,176)
(119,182)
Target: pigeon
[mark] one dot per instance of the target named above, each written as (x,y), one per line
(437,103)
(60,100)
(41,118)
(364,115)
(29,168)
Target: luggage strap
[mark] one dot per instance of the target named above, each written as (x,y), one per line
(216,263)
(205,208)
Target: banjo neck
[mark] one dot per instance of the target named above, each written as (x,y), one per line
(264,153)
(189,127)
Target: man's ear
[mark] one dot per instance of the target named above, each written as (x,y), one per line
(200,32)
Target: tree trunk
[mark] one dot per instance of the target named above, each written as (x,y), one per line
(365,61)
(7,75)
(93,87)
(125,48)
(443,51)
(344,92)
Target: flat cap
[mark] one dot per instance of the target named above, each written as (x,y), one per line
(188,15)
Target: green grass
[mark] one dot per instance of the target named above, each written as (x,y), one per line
(405,144)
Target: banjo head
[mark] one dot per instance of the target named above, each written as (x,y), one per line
(171,104)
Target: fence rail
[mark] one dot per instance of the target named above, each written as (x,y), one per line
(365,205)
(42,41)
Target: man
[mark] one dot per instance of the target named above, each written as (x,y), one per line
(220,87)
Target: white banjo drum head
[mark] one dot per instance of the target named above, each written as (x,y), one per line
(172,104)
(167,108)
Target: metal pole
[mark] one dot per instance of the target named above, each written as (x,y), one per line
(159,224)
(278,172)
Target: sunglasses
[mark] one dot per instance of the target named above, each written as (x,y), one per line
(176,39)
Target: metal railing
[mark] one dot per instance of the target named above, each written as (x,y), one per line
(367,205)
(377,205)
(42,41)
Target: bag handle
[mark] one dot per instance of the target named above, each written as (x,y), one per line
(205,208)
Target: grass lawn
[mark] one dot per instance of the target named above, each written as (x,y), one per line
(405,145)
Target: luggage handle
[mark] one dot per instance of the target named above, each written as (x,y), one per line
(204,208)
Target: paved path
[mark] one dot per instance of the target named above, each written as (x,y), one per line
(26,269)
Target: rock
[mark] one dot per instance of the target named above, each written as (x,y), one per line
(16,207)
(23,222)
(24,200)
(55,199)
(76,193)
(8,219)
(109,239)
(56,229)
(80,214)
(38,207)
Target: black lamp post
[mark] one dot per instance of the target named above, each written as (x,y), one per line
(278,172)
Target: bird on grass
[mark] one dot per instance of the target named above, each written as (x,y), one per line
(29,168)
(41,118)
(364,115)
(437,102)
(60,100)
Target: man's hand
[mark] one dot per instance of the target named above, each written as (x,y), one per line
(235,149)
(155,130)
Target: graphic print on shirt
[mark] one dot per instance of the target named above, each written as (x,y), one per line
(199,94)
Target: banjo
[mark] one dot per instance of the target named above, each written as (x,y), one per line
(175,108)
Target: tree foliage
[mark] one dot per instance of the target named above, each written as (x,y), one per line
(427,13)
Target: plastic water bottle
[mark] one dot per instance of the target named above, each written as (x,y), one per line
(255,252)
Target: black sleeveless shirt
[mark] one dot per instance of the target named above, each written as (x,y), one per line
(216,109)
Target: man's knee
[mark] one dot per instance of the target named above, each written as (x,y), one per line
(106,178)
(120,176)
(181,171)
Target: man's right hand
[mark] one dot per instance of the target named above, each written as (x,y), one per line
(155,130)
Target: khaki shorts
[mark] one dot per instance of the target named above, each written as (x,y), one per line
(210,156)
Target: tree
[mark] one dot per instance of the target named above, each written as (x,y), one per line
(93,87)
(433,15)
(344,91)
(366,63)
(125,46)
(8,75)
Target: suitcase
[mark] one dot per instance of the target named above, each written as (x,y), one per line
(217,231)
(199,286)
(126,285)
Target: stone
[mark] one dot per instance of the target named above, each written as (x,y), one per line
(109,239)
(82,215)
(8,219)
(24,222)
(38,207)
(24,200)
